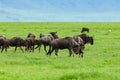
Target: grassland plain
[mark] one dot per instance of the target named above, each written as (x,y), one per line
(101,61)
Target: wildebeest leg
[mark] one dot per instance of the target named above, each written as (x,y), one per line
(82,54)
(2,49)
(21,49)
(30,48)
(15,48)
(51,52)
(39,48)
(45,48)
(88,31)
(33,48)
(26,48)
(73,54)
(38,44)
(70,52)
(56,51)
(6,48)
(80,51)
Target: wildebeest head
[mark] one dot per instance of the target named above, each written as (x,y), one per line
(90,40)
(31,35)
(54,35)
(42,35)
(87,39)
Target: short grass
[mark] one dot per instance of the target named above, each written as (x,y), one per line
(101,61)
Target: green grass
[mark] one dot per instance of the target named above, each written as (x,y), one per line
(101,61)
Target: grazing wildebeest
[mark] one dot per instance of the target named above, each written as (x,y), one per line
(17,42)
(63,43)
(45,41)
(3,43)
(54,35)
(85,29)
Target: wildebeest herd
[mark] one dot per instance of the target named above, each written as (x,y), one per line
(75,44)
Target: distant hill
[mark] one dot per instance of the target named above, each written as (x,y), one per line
(59,10)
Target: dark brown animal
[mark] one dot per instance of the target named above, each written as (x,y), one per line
(30,44)
(85,29)
(45,41)
(80,48)
(3,43)
(17,42)
(63,43)
(31,41)
(86,40)
(4,37)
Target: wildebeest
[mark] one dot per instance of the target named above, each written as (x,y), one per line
(31,41)
(86,40)
(63,43)
(3,43)
(45,41)
(85,29)
(80,47)
(17,42)
(30,44)
(2,37)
